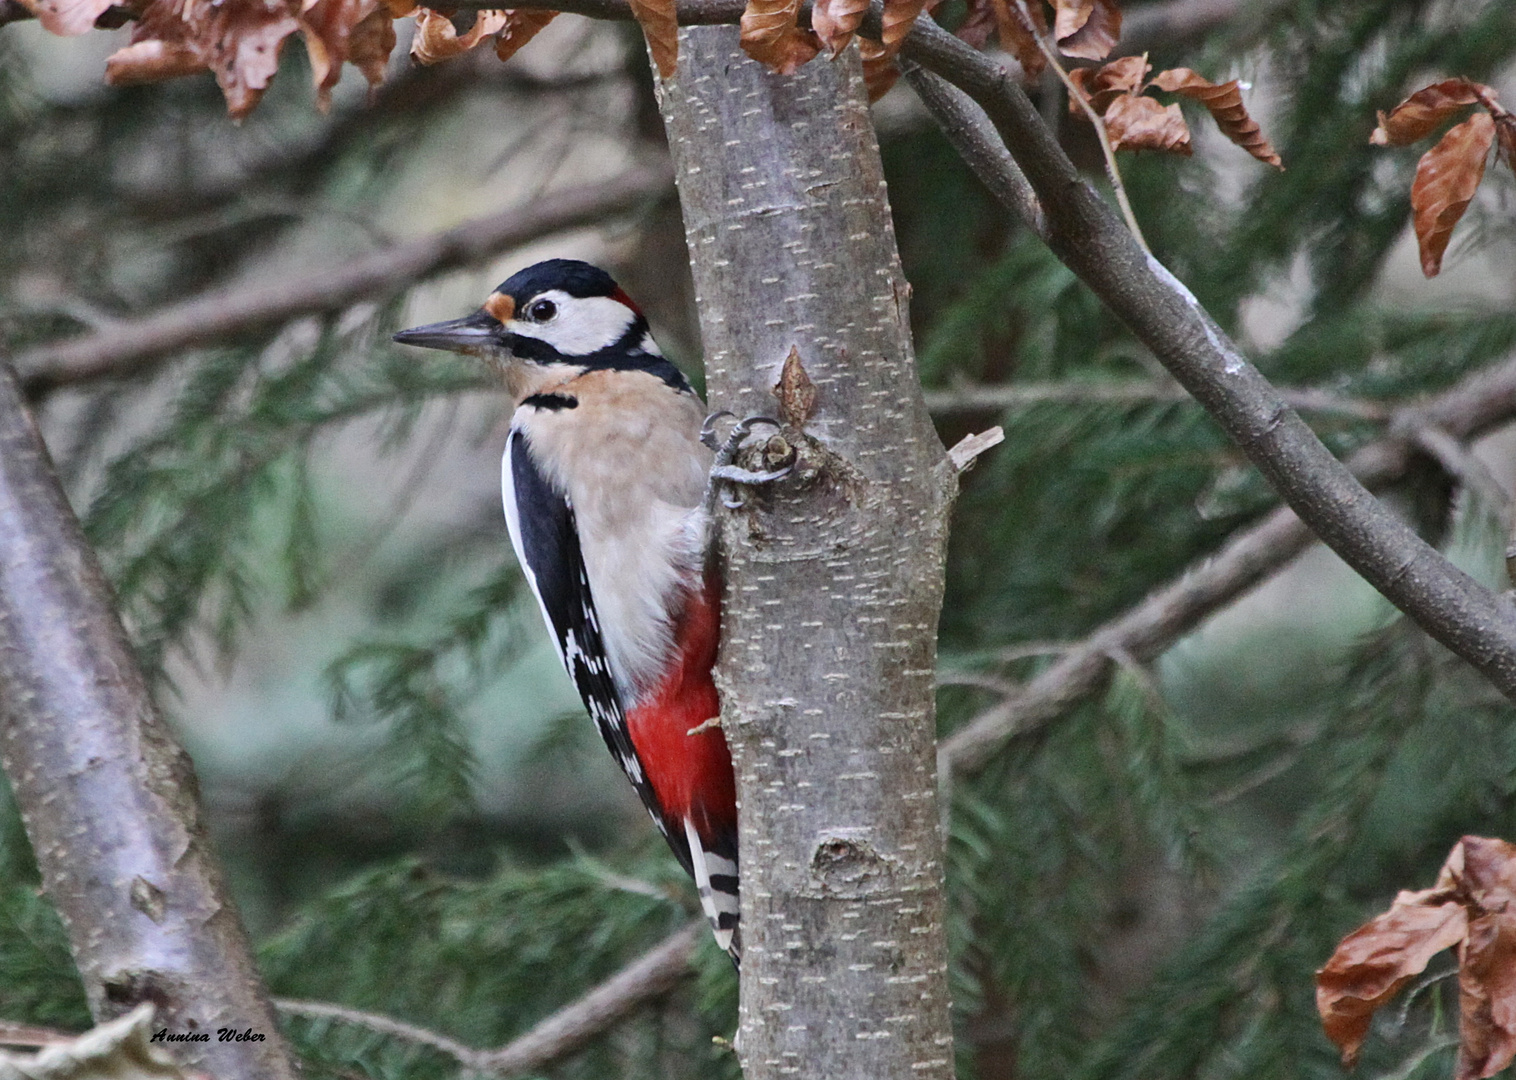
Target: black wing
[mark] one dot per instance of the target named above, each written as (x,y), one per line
(541,521)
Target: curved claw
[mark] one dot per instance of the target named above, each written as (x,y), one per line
(734,475)
(708,428)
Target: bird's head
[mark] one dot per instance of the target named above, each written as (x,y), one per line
(549,321)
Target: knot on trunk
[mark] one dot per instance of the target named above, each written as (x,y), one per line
(844,863)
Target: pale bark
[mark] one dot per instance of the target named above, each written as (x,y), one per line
(108,799)
(834,579)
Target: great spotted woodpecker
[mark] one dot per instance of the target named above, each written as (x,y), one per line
(604,477)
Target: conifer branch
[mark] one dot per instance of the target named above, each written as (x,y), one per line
(1463,412)
(131,346)
(976,398)
(653,975)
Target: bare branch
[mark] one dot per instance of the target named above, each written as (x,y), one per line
(973,136)
(129,347)
(971,398)
(1470,408)
(652,976)
(107,797)
(13,1033)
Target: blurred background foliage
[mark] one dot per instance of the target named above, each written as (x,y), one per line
(303,528)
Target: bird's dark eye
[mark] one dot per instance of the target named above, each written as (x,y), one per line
(542,310)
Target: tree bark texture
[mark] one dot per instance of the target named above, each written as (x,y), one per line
(833,577)
(108,798)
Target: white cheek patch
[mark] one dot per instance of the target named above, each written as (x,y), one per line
(584,324)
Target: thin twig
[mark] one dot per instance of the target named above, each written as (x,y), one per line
(972,398)
(15,1033)
(654,975)
(378,1022)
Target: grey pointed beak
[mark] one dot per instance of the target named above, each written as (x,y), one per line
(470,334)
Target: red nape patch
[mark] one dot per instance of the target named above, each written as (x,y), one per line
(620,296)
(691,774)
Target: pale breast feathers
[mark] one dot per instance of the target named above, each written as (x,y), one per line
(622,452)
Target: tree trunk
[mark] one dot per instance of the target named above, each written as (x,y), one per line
(834,578)
(109,800)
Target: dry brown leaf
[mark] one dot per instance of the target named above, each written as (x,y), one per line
(1103,85)
(660,25)
(1420,114)
(899,17)
(976,27)
(151,61)
(1373,962)
(327,27)
(438,39)
(1017,27)
(1224,101)
(370,43)
(1487,961)
(521,25)
(1088,29)
(1139,123)
(770,36)
(243,39)
(1473,906)
(880,69)
(835,22)
(1505,138)
(239,40)
(67,16)
(1446,178)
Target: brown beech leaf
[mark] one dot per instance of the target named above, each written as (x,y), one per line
(770,36)
(521,25)
(1088,29)
(1139,123)
(370,43)
(1446,178)
(239,40)
(660,25)
(1372,963)
(1017,25)
(976,27)
(1473,906)
(836,21)
(899,17)
(1487,962)
(327,27)
(1420,114)
(437,39)
(67,16)
(1505,139)
(1224,100)
(151,61)
(880,69)
(1104,85)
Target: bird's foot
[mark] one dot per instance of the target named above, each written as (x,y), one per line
(778,454)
